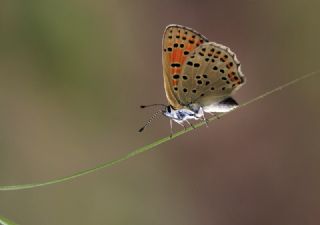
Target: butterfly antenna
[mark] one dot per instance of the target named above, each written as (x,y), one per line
(151,119)
(146,106)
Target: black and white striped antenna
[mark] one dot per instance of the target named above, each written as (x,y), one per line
(147,106)
(151,119)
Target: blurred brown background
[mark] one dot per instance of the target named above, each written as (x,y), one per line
(73,73)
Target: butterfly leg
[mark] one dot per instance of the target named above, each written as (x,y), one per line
(171,130)
(182,124)
(205,120)
(214,114)
(185,128)
(190,124)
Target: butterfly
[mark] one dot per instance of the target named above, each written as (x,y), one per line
(199,76)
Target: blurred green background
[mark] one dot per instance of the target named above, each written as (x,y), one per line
(72,77)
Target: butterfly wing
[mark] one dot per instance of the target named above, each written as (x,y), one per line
(178,43)
(210,74)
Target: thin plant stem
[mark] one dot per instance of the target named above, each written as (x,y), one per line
(151,146)
(5,221)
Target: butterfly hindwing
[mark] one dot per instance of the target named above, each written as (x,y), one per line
(210,73)
(178,43)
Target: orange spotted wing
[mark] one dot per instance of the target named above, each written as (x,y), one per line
(178,43)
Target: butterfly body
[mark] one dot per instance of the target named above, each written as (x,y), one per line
(184,114)
(196,111)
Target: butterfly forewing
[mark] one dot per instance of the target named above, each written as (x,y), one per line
(178,43)
(210,73)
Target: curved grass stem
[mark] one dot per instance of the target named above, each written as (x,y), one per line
(5,221)
(149,146)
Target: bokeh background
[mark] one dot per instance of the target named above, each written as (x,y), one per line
(72,77)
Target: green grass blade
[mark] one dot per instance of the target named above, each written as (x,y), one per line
(5,221)
(149,146)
